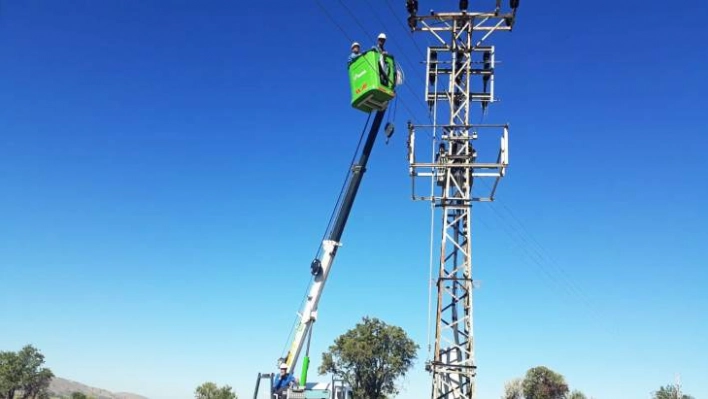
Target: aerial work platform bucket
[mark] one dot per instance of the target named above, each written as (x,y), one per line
(373,81)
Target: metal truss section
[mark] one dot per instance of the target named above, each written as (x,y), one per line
(453,364)
(460,67)
(443,161)
(460,70)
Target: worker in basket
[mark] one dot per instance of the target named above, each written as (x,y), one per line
(380,41)
(283,382)
(383,67)
(356,52)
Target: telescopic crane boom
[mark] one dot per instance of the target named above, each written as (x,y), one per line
(321,265)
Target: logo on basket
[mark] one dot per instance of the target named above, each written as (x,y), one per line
(360,74)
(362,88)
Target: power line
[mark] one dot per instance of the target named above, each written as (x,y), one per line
(411,114)
(555,274)
(420,50)
(356,20)
(541,251)
(542,248)
(405,83)
(333,21)
(385,26)
(411,64)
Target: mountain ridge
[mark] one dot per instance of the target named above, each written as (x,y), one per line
(62,387)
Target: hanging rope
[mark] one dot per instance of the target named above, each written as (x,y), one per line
(432,210)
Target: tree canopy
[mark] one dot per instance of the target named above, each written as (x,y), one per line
(370,357)
(210,390)
(540,383)
(22,374)
(514,389)
(543,383)
(577,395)
(669,392)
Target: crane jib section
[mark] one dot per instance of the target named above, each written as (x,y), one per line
(320,267)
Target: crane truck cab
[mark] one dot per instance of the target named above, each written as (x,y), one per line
(373,78)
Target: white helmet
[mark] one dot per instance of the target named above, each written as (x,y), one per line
(283,366)
(382,36)
(355,44)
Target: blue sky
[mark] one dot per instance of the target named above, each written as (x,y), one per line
(168,170)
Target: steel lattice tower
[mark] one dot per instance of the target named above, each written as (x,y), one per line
(460,71)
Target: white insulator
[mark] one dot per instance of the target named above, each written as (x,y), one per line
(400,76)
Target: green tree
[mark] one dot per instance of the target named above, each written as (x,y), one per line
(543,383)
(78,395)
(22,374)
(669,392)
(210,390)
(514,389)
(577,395)
(9,374)
(370,357)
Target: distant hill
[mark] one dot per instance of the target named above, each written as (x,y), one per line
(63,388)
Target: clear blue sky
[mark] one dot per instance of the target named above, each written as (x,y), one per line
(168,168)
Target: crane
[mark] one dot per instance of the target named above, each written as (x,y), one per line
(373,78)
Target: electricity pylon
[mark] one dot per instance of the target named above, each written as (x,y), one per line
(459,73)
